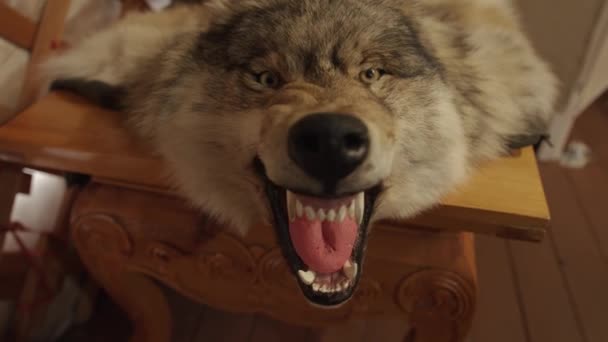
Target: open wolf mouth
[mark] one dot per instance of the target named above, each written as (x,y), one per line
(322,238)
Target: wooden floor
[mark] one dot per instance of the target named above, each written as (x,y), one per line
(556,291)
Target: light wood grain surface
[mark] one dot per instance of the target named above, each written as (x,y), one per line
(504,197)
(63,132)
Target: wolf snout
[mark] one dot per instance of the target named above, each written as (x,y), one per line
(328,146)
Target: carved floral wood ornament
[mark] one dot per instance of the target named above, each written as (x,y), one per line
(126,237)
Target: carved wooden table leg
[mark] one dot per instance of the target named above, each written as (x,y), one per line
(104,246)
(440,304)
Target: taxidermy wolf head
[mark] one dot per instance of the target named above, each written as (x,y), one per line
(319,117)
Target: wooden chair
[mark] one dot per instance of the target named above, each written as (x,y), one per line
(130,228)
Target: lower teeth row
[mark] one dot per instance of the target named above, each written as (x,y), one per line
(349,270)
(329,289)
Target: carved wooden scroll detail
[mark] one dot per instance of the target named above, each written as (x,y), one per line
(102,234)
(120,248)
(251,278)
(105,248)
(224,272)
(435,298)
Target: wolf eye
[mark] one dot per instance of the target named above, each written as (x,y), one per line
(371,75)
(268,79)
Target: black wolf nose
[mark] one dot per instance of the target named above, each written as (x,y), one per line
(328,146)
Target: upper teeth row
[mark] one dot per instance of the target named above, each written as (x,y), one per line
(322,215)
(355,210)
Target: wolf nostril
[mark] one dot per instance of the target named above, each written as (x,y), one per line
(328,146)
(354,144)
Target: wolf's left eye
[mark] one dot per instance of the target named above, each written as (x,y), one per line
(371,75)
(268,79)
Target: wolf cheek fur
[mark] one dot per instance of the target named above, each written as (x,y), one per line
(453,82)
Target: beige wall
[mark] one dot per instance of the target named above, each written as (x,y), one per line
(598,79)
(572,35)
(595,75)
(560,30)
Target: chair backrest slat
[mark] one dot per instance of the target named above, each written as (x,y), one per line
(16,28)
(50,27)
(35,37)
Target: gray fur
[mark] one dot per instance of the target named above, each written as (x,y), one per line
(462,79)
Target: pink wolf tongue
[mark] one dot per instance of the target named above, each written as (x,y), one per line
(323,246)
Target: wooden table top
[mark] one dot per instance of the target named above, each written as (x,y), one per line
(63,132)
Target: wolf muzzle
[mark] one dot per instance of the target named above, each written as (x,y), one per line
(328,146)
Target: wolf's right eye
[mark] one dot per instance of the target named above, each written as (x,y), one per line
(268,79)
(371,75)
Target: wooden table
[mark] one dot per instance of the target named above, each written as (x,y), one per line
(130,228)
